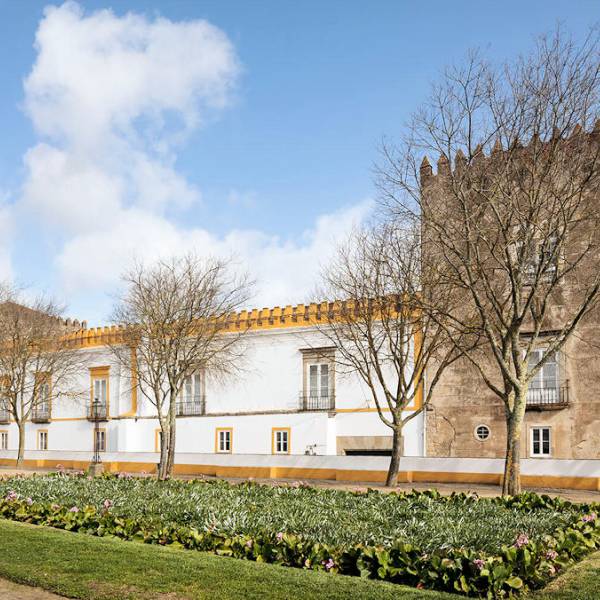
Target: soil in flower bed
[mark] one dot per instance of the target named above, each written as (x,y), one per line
(327,515)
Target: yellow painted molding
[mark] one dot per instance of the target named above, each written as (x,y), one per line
(549,481)
(300,315)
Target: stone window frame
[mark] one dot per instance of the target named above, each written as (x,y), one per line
(476,432)
(312,356)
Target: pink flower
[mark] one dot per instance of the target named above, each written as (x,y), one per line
(249,544)
(107,504)
(522,540)
(590,517)
(12,496)
(74,509)
(329,564)
(279,536)
(551,554)
(479,563)
(29,501)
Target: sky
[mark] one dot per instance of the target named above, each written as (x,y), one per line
(141,129)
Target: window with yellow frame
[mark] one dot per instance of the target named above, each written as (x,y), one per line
(99,438)
(157,440)
(281,440)
(224,440)
(42,439)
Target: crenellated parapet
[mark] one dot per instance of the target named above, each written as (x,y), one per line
(452,166)
(277,317)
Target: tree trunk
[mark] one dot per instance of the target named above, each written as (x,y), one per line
(171,452)
(21,451)
(511,483)
(392,476)
(164,450)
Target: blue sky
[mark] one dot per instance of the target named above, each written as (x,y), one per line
(258,139)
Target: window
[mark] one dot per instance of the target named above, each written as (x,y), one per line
(544,388)
(99,393)
(224,442)
(100,440)
(482,432)
(280,442)
(158,437)
(318,377)
(41,408)
(191,397)
(100,388)
(3,440)
(541,441)
(544,253)
(42,439)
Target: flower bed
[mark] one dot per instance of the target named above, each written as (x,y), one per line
(491,547)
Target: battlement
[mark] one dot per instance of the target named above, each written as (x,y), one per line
(299,315)
(446,166)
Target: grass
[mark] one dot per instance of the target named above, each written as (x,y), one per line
(86,567)
(93,568)
(329,516)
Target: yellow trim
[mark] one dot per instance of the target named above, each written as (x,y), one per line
(217,431)
(274,431)
(545,481)
(103,429)
(39,439)
(300,315)
(100,373)
(157,433)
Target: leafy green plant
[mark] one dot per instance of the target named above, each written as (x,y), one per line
(526,562)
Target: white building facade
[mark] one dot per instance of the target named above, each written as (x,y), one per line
(289,399)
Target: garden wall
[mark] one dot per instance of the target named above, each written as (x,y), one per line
(558,473)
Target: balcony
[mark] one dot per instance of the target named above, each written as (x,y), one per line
(313,402)
(97,412)
(4,416)
(41,414)
(190,409)
(549,398)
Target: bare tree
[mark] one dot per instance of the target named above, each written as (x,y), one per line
(176,317)
(513,209)
(39,362)
(387,329)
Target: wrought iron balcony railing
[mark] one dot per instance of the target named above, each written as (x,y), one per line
(97,412)
(41,414)
(548,397)
(317,402)
(190,409)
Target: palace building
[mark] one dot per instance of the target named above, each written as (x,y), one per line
(289,399)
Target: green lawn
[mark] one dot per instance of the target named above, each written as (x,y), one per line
(81,566)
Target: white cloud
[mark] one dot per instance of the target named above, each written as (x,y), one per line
(285,270)
(112,98)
